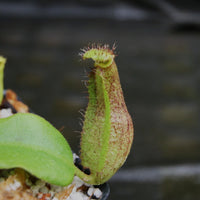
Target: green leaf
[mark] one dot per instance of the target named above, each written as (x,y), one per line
(2,65)
(30,142)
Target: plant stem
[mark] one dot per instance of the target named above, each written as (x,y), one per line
(85,177)
(2,65)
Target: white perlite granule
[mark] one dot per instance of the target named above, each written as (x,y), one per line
(75,157)
(40,188)
(45,191)
(13,186)
(79,195)
(94,191)
(5,113)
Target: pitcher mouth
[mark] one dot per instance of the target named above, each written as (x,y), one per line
(103,56)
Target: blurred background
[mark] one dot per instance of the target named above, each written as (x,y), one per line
(158,46)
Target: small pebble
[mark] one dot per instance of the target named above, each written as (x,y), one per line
(78,182)
(5,113)
(14,186)
(28,182)
(97,193)
(2,179)
(90,191)
(44,190)
(40,196)
(75,157)
(76,196)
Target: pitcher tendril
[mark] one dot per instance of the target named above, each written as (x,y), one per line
(2,65)
(107,133)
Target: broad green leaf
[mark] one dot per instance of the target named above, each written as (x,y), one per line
(30,142)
